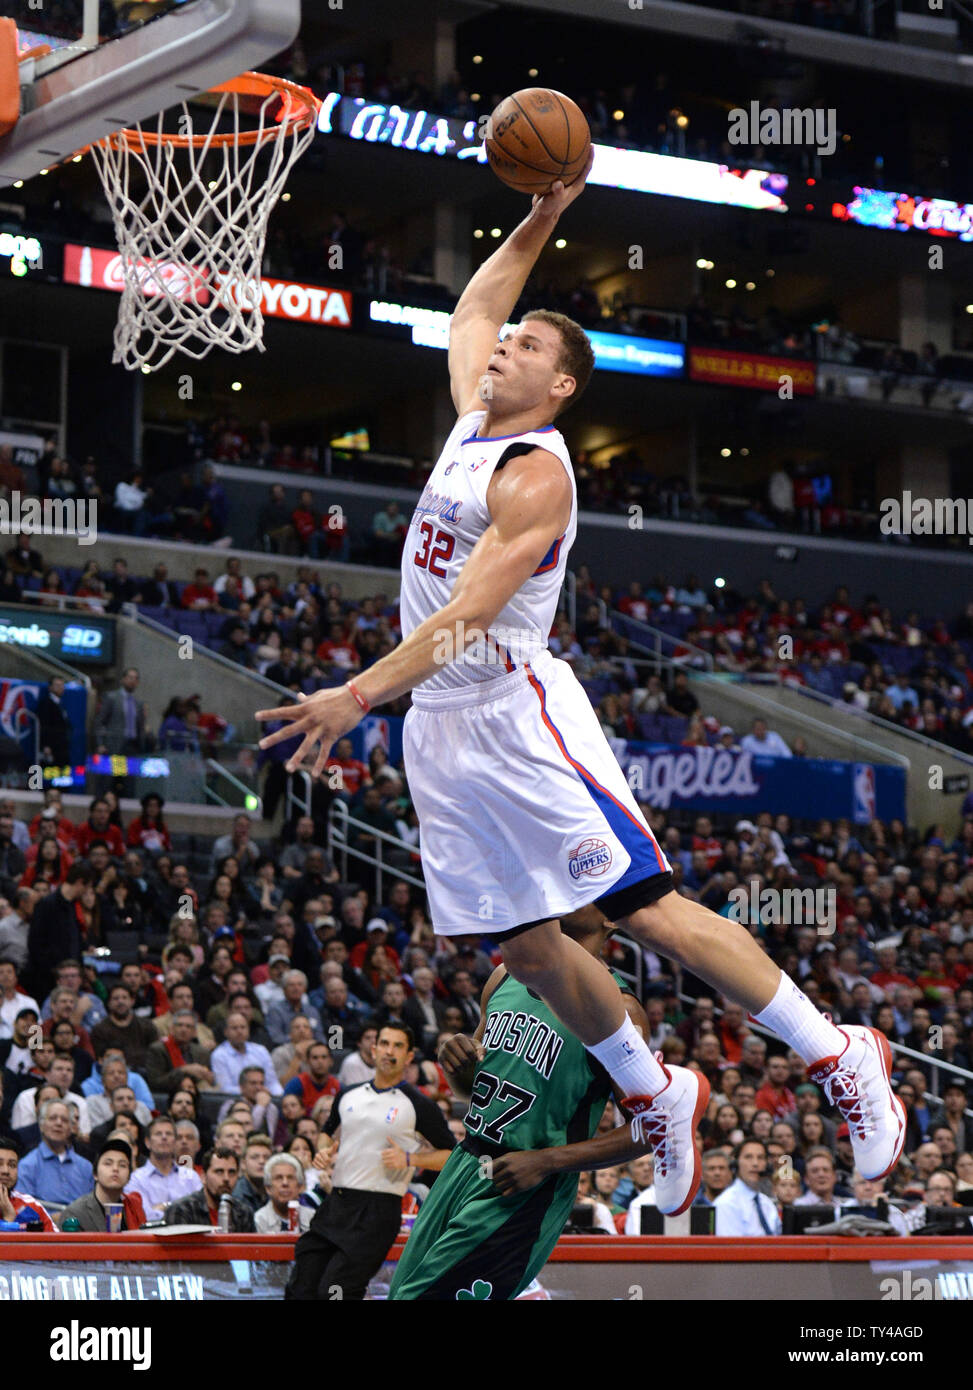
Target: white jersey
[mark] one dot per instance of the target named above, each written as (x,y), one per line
(449,519)
(370,1120)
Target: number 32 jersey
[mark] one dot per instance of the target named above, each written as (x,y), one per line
(449,519)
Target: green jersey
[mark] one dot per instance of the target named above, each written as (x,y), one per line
(537,1086)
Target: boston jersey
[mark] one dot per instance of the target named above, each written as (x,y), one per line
(449,519)
(537,1086)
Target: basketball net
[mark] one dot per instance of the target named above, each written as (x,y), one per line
(190,212)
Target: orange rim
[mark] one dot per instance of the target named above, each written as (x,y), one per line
(301,108)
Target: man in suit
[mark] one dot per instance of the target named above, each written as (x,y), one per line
(463,997)
(54,724)
(423,1012)
(120,722)
(54,935)
(25,561)
(160,591)
(122,587)
(12,861)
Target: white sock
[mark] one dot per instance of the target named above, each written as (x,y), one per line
(792,1016)
(629,1063)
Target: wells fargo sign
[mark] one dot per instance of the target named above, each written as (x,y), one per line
(727,368)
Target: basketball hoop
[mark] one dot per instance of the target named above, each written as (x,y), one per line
(190,213)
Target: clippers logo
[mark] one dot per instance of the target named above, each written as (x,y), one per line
(450,466)
(592,857)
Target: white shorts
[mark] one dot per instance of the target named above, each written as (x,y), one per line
(524,812)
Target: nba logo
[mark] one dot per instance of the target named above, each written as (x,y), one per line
(864,793)
(377,735)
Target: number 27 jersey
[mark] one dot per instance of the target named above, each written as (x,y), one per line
(449,519)
(537,1086)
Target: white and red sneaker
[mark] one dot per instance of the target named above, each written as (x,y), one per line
(857,1083)
(667,1122)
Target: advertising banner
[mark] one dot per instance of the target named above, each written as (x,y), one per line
(640,171)
(724,367)
(614,352)
(743,784)
(80,639)
(27,448)
(95,267)
(906,212)
(580,1269)
(174,1281)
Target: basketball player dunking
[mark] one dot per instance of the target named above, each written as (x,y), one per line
(525,814)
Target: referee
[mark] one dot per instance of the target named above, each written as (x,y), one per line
(381,1122)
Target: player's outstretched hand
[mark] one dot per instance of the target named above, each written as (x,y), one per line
(458,1052)
(321,719)
(519,1172)
(554,202)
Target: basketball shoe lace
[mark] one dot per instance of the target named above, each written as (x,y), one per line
(844,1093)
(654,1127)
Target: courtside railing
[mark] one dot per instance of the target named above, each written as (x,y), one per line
(343,830)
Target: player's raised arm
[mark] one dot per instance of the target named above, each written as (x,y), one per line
(530,503)
(488,300)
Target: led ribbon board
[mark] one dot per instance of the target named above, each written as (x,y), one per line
(638,171)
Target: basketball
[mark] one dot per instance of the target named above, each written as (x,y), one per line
(535,137)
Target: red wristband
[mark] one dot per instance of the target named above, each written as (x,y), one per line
(358,697)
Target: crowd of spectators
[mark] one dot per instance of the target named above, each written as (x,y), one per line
(667,112)
(261,958)
(912,672)
(174,1070)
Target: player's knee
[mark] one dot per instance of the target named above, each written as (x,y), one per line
(522,965)
(532,955)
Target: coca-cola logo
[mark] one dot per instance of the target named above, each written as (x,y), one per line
(94,266)
(172,278)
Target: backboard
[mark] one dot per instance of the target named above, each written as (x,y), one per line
(113,64)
